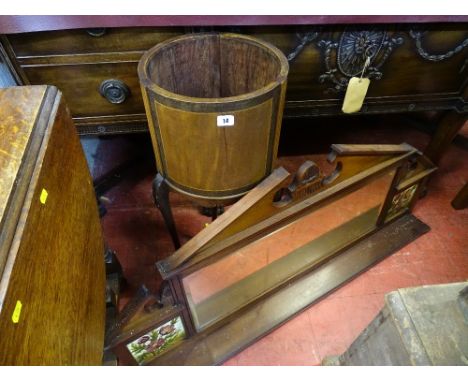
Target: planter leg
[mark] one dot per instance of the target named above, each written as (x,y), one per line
(161,199)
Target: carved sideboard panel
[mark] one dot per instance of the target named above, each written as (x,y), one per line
(351,53)
(410,69)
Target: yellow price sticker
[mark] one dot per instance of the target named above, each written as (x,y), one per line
(43,197)
(17,312)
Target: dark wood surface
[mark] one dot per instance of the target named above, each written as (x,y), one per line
(410,70)
(51,245)
(418,63)
(23,23)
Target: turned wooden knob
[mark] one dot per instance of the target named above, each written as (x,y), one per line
(115,91)
(96,32)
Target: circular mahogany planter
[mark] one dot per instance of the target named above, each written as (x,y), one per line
(214,104)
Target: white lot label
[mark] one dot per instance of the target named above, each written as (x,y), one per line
(225,120)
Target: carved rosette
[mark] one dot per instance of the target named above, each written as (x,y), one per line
(346,58)
(355,47)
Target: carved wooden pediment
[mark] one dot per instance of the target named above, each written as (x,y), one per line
(280,192)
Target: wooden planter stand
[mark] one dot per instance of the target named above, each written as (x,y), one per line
(214,104)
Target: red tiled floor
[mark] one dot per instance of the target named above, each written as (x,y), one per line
(290,345)
(134,229)
(330,324)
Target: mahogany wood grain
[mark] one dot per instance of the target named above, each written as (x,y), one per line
(239,217)
(235,75)
(52,245)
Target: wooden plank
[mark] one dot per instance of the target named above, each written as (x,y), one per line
(351,149)
(52,289)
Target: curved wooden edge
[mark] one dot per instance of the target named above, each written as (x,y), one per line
(28,23)
(146,81)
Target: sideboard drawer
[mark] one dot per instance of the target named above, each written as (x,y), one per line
(82,41)
(80,84)
(412,68)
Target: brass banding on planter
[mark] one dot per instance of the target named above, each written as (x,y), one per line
(187,83)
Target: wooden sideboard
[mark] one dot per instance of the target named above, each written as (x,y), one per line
(52,276)
(413,67)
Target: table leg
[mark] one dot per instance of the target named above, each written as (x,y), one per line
(161,199)
(448,127)
(461,200)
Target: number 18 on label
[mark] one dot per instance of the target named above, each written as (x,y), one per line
(225,120)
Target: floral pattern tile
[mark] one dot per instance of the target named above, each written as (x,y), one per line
(157,341)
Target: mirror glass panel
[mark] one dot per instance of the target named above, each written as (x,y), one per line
(217,290)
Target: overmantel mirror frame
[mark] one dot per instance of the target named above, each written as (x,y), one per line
(257,302)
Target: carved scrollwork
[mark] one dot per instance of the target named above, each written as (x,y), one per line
(115,91)
(346,58)
(417,37)
(304,38)
(308,180)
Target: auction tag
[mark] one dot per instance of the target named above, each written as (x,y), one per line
(43,196)
(17,312)
(355,94)
(225,120)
